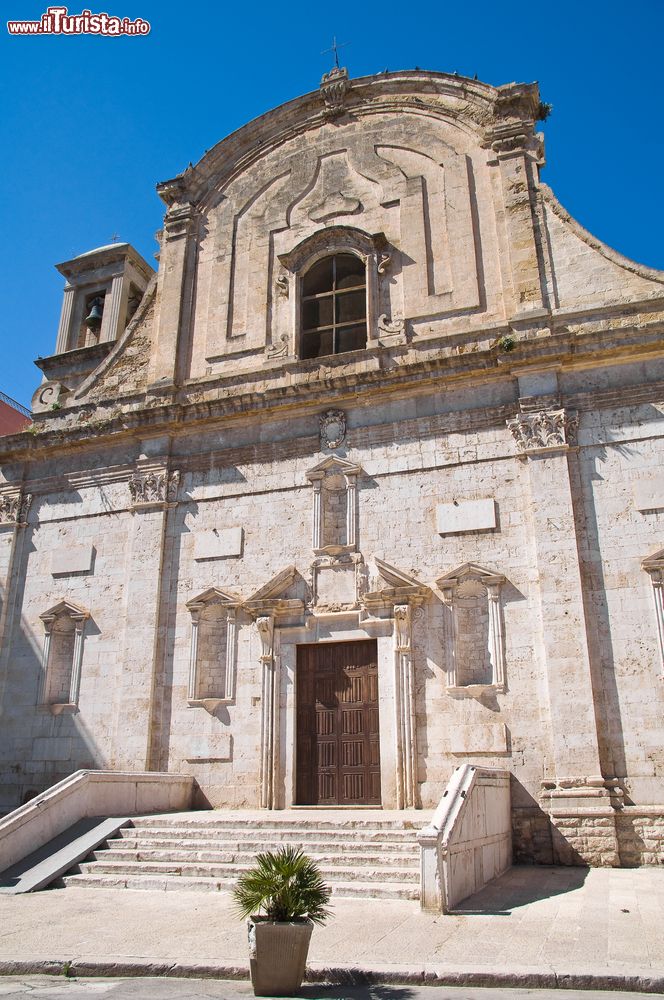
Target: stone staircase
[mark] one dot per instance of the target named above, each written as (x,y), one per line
(365,853)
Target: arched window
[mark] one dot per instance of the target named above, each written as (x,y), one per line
(334,306)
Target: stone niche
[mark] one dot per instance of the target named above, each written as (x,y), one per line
(474,630)
(62,656)
(213,650)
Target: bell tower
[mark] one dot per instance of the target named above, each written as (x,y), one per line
(103,291)
(104,288)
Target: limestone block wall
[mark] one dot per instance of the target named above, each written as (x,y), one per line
(410,464)
(424,185)
(618,461)
(243,512)
(38,746)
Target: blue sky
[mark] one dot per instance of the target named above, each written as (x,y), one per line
(89,125)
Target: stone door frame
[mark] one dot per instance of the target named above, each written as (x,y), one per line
(320,629)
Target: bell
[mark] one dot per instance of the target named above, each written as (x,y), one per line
(93,321)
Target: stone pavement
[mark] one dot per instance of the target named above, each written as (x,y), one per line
(534,927)
(61,988)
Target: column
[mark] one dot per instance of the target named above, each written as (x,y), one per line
(269,700)
(75,683)
(351,510)
(231,626)
(192,689)
(317,522)
(405,709)
(496,645)
(655,568)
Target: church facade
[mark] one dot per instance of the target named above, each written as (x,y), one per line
(362,483)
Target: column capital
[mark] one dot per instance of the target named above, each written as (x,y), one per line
(153,488)
(14,507)
(544,430)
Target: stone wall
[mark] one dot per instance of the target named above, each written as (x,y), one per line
(477,490)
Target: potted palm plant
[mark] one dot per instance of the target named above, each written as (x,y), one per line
(282,896)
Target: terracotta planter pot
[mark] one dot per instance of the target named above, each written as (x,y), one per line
(277,955)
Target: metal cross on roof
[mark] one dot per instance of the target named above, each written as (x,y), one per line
(115,238)
(335,48)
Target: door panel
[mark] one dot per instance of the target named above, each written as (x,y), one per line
(338,750)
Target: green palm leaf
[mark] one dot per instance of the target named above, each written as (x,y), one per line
(286,885)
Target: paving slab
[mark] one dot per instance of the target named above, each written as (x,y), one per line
(532,928)
(47,988)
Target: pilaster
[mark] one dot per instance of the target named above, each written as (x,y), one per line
(546,438)
(14,508)
(175,318)
(62,343)
(152,495)
(113,309)
(516,156)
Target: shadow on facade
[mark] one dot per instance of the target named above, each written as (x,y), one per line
(53,746)
(535,840)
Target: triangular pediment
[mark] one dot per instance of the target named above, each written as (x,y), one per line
(465,570)
(389,586)
(214,594)
(273,598)
(654,562)
(394,577)
(65,607)
(333,464)
(276,587)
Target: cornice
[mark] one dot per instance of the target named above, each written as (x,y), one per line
(338,381)
(474,106)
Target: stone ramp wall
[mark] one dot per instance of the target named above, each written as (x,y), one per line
(89,793)
(469,841)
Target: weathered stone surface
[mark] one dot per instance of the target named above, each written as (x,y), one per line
(243,500)
(471,515)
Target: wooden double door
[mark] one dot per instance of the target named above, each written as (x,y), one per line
(338,748)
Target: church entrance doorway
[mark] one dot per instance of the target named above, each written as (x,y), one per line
(338,749)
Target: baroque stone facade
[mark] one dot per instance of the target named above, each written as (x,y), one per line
(382,390)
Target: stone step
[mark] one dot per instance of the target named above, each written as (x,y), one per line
(213,820)
(130,840)
(215,855)
(230,871)
(278,834)
(340,890)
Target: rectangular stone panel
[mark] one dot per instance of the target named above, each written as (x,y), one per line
(210,747)
(335,584)
(73,559)
(467,515)
(218,543)
(649,494)
(480,739)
